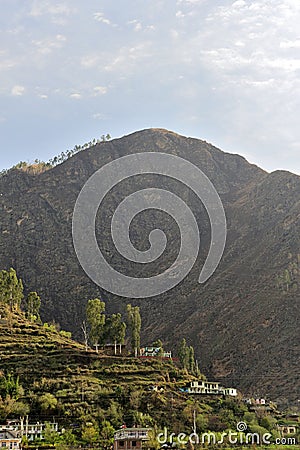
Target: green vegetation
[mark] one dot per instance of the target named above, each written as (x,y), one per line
(38,166)
(134,325)
(288,280)
(45,374)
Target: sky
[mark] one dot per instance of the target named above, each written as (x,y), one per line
(224,71)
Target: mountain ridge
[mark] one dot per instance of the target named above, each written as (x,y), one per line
(263,211)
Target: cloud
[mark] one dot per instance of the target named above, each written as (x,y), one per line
(40,8)
(100,90)
(99,17)
(46,46)
(127,59)
(18,90)
(76,95)
(138,26)
(200,67)
(290,44)
(100,116)
(90,61)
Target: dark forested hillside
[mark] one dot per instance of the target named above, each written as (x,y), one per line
(243,322)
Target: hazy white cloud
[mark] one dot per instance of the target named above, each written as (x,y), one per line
(76,95)
(46,46)
(290,44)
(90,61)
(100,17)
(18,90)
(138,26)
(100,116)
(100,90)
(40,8)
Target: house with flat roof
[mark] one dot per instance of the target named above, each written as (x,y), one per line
(131,438)
(153,352)
(210,388)
(31,430)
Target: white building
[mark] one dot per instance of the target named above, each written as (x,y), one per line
(31,430)
(210,387)
(154,352)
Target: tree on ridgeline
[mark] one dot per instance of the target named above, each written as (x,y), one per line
(134,325)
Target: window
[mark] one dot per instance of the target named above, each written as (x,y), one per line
(133,443)
(121,443)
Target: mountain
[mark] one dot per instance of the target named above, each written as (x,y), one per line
(243,322)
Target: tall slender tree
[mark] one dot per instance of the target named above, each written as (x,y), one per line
(96,320)
(33,305)
(183,354)
(134,325)
(116,330)
(11,289)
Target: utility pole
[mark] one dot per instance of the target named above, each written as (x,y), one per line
(194,422)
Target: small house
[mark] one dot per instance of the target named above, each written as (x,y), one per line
(210,388)
(9,440)
(154,352)
(131,438)
(285,430)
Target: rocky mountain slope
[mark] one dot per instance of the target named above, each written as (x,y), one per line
(243,322)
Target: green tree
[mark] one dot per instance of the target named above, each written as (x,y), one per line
(183,354)
(89,434)
(50,435)
(48,402)
(106,435)
(96,320)
(268,422)
(158,344)
(33,306)
(191,359)
(10,386)
(68,438)
(11,289)
(116,330)
(134,325)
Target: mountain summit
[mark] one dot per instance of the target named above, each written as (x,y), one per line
(243,322)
